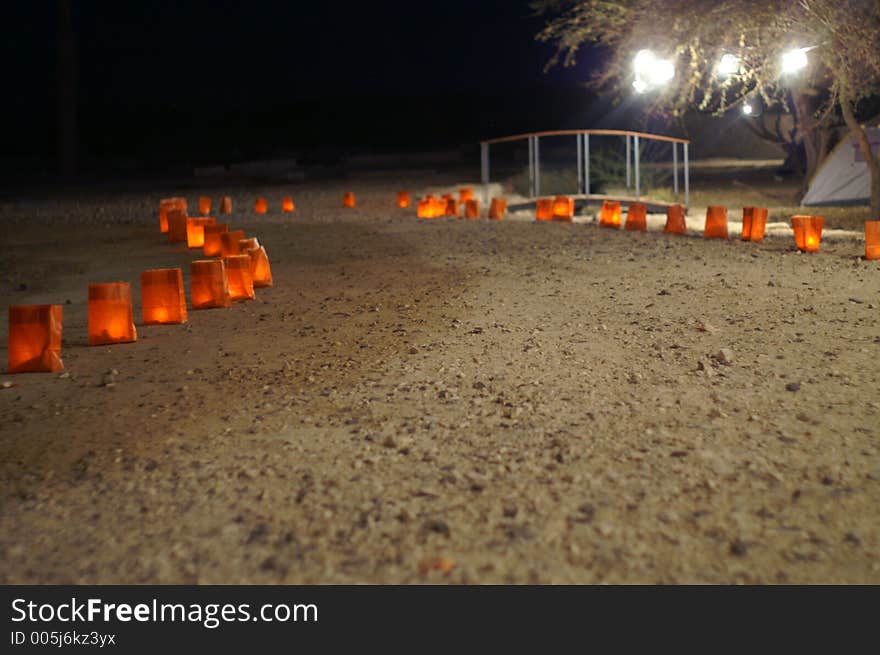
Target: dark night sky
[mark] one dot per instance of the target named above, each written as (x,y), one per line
(228,78)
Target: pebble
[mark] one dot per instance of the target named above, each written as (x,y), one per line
(724,356)
(437,526)
(738,548)
(605,529)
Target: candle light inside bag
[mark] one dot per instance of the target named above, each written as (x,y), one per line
(716,223)
(610,214)
(563,208)
(636,217)
(872,239)
(208,284)
(261,273)
(238,274)
(230,242)
(164,206)
(162,296)
(675,220)
(110,314)
(544,209)
(807,232)
(213,246)
(195,231)
(34,340)
(498,209)
(176,225)
(451,208)
(754,223)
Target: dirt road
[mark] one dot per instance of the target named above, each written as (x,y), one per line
(530,402)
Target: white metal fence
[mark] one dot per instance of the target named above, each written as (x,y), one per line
(634,147)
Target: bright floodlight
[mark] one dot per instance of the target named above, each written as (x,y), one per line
(663,71)
(748,110)
(794,60)
(729,65)
(644,62)
(650,71)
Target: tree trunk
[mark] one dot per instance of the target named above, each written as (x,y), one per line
(816,138)
(861,137)
(794,159)
(66,70)
(787,140)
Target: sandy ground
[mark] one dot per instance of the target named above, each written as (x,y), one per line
(530,402)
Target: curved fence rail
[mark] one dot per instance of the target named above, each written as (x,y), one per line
(634,146)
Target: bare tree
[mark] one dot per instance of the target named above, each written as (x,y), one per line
(838,41)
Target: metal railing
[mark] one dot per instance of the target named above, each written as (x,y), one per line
(633,162)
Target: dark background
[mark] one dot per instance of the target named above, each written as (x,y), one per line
(165,82)
(166,86)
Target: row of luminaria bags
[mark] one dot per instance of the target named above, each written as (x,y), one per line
(807,229)
(238,264)
(449,205)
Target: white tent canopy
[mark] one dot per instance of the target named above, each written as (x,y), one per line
(843,178)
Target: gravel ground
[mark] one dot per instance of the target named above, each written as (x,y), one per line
(446,402)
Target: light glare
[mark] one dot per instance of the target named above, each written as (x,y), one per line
(651,72)
(729,65)
(644,62)
(794,60)
(663,71)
